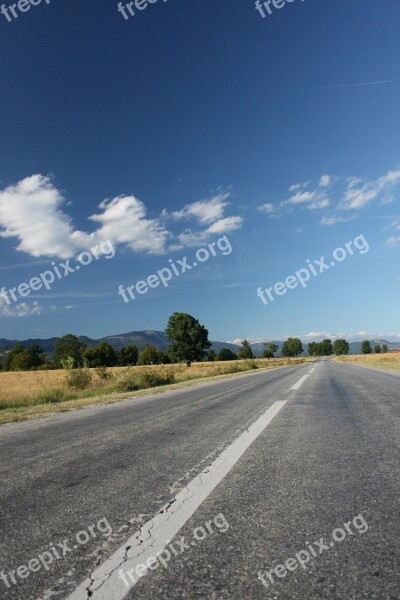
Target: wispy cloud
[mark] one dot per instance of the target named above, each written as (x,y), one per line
(313,199)
(358,194)
(267,208)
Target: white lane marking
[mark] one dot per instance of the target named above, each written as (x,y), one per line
(300,382)
(155,535)
(311,371)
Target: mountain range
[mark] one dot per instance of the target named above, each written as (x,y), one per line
(158,339)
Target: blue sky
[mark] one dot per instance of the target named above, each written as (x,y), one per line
(190,121)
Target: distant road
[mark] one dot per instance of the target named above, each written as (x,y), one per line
(285,457)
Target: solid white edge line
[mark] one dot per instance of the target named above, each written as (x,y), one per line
(154,535)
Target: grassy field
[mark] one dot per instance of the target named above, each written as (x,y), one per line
(382,361)
(28,394)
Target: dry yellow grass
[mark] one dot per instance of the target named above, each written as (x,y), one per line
(382,361)
(28,394)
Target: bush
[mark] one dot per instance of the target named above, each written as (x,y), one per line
(149,379)
(103,374)
(251,364)
(78,379)
(52,396)
(127,382)
(131,381)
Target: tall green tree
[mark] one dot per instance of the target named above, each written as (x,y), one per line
(10,356)
(313,349)
(189,338)
(366,347)
(150,355)
(103,355)
(326,348)
(211,355)
(340,347)
(226,354)
(37,354)
(22,361)
(129,355)
(292,347)
(245,352)
(384,348)
(377,349)
(69,345)
(269,350)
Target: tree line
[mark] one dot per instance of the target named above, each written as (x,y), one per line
(189,343)
(341,347)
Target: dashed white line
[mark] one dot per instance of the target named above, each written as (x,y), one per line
(155,535)
(300,382)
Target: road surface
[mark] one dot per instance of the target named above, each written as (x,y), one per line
(276,484)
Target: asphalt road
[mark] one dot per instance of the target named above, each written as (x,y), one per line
(261,466)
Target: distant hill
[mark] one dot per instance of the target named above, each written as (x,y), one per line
(139,338)
(158,339)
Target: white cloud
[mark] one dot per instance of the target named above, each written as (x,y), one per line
(205,211)
(298,186)
(123,221)
(226,225)
(300,198)
(353,181)
(189,239)
(318,204)
(394,240)
(315,199)
(21,309)
(32,211)
(357,196)
(318,334)
(325,181)
(266,208)
(332,220)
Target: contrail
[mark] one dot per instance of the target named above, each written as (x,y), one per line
(347,85)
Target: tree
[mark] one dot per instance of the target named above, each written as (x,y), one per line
(313,349)
(211,355)
(245,351)
(269,350)
(384,348)
(377,349)
(37,354)
(226,354)
(69,345)
(340,347)
(103,355)
(366,347)
(189,338)
(292,347)
(129,356)
(150,355)
(326,348)
(10,356)
(22,361)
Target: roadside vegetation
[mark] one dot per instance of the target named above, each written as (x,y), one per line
(25,394)
(389,361)
(33,383)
